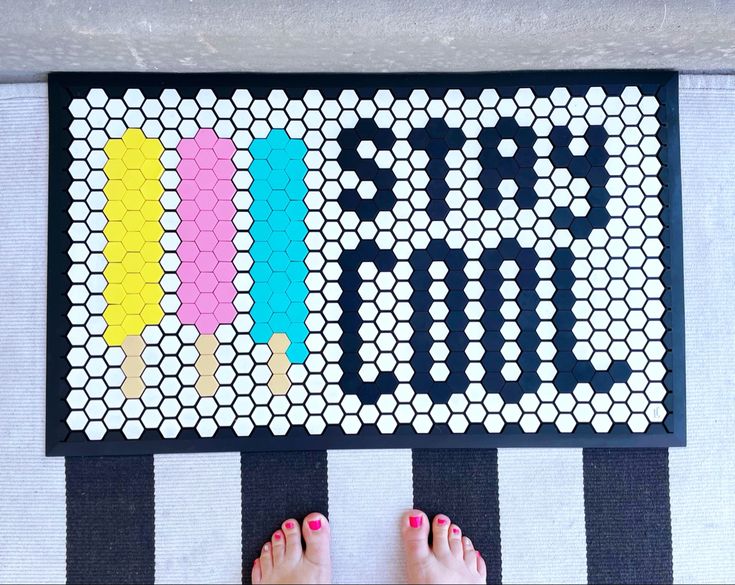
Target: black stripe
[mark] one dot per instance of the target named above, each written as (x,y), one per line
(110,520)
(463,484)
(628,518)
(277,486)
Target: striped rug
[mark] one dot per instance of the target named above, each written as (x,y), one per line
(552,516)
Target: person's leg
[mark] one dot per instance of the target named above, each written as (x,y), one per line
(450,559)
(284,560)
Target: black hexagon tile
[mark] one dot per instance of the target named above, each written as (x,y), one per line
(245,262)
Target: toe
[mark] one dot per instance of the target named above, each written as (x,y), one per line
(455,541)
(481,568)
(256,576)
(266,560)
(292,533)
(415,534)
(278,544)
(470,554)
(440,534)
(316,535)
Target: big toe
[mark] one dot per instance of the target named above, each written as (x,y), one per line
(316,535)
(415,534)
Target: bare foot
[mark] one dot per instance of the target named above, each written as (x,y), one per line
(450,559)
(283,559)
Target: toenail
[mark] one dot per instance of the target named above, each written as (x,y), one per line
(478,554)
(315,524)
(277,536)
(265,547)
(455,530)
(441,521)
(415,521)
(289,525)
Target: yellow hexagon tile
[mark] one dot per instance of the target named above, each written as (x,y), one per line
(134,199)
(114,273)
(133,304)
(114,293)
(133,159)
(133,179)
(134,138)
(114,209)
(114,251)
(133,322)
(114,230)
(115,190)
(115,169)
(115,149)
(151,190)
(114,334)
(114,315)
(152,149)
(151,293)
(133,221)
(133,241)
(133,262)
(151,272)
(151,210)
(151,231)
(133,283)
(152,252)
(151,169)
(151,314)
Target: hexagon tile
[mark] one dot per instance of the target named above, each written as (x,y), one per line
(367,261)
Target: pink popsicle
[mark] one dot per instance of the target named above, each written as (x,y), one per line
(206,231)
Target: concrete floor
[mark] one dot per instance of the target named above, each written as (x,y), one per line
(37,36)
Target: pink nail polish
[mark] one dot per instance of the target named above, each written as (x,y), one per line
(289,525)
(441,521)
(478,554)
(415,521)
(455,530)
(277,536)
(315,525)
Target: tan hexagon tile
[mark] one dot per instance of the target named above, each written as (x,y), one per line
(133,366)
(279,343)
(133,345)
(133,387)
(206,365)
(206,344)
(279,363)
(206,385)
(279,384)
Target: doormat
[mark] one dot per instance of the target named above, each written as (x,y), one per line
(273,262)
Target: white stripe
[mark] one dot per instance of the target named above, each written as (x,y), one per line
(32,487)
(198,518)
(541,493)
(368,492)
(702,476)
